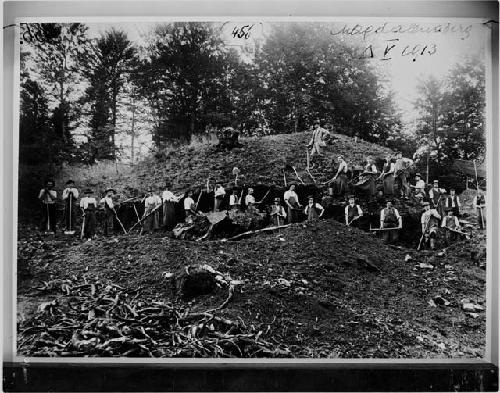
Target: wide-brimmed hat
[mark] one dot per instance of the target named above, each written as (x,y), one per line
(88,191)
(70,182)
(351,197)
(436,181)
(418,174)
(110,189)
(250,189)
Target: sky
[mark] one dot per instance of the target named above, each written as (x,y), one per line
(403,49)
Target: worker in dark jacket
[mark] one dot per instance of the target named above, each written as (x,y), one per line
(390,218)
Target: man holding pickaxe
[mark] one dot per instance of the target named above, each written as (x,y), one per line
(109,211)
(352,212)
(48,197)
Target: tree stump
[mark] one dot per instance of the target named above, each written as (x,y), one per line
(192,281)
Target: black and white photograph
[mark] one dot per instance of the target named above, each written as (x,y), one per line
(253,188)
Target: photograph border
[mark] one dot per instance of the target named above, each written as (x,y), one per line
(29,374)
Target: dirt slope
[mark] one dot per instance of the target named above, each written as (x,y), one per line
(311,293)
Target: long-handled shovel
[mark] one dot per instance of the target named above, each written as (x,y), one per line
(477,189)
(83,225)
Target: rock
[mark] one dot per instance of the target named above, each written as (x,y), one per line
(192,281)
(408,257)
(468,306)
(441,301)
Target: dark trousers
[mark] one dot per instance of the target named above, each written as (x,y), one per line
(108,222)
(49,217)
(70,214)
(89,229)
(390,236)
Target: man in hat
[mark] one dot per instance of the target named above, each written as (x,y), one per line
(189,205)
(109,210)
(419,187)
(234,200)
(292,201)
(219,196)
(436,196)
(48,197)
(430,223)
(479,203)
(453,201)
(169,201)
(401,167)
(340,178)
(152,203)
(250,200)
(388,176)
(352,212)
(318,139)
(70,197)
(278,214)
(89,205)
(451,223)
(390,218)
(313,210)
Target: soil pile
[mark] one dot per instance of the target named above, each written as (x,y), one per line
(316,289)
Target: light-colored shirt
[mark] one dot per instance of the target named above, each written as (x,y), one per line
(152,201)
(420,185)
(289,194)
(249,200)
(457,223)
(310,205)
(108,201)
(426,216)
(220,191)
(342,167)
(188,203)
(401,164)
(66,192)
(48,197)
(86,201)
(371,168)
(382,214)
(234,200)
(168,196)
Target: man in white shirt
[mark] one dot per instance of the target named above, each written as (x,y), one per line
(48,197)
(234,200)
(390,218)
(151,209)
(250,200)
(453,201)
(352,212)
(70,197)
(109,211)
(419,187)
(401,167)
(189,205)
(430,223)
(318,139)
(387,176)
(219,196)
(292,201)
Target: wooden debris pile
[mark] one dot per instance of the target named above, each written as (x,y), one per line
(106,320)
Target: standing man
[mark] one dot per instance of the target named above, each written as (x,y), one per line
(479,202)
(453,201)
(419,187)
(292,200)
(219,196)
(250,200)
(89,205)
(189,205)
(390,218)
(451,223)
(234,200)
(278,214)
(48,197)
(352,212)
(388,176)
(436,197)
(313,210)
(169,201)
(340,178)
(151,203)
(70,197)
(109,211)
(318,139)
(430,223)
(400,173)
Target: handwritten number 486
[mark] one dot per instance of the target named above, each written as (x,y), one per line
(242,31)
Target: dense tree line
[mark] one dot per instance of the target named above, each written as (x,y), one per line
(184,80)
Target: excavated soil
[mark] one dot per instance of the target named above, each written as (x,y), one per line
(318,289)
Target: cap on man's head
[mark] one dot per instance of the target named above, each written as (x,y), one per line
(418,174)
(49,181)
(436,181)
(276,199)
(448,209)
(110,190)
(351,197)
(70,182)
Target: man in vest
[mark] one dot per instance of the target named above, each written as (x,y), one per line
(219,196)
(419,187)
(352,212)
(430,223)
(70,197)
(278,214)
(48,197)
(109,211)
(453,201)
(292,201)
(451,224)
(390,218)
(313,210)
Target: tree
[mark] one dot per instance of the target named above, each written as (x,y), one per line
(185,79)
(106,68)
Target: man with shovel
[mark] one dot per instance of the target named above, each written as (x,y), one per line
(352,212)
(292,200)
(430,224)
(390,218)
(109,211)
(88,204)
(278,214)
(70,197)
(48,197)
